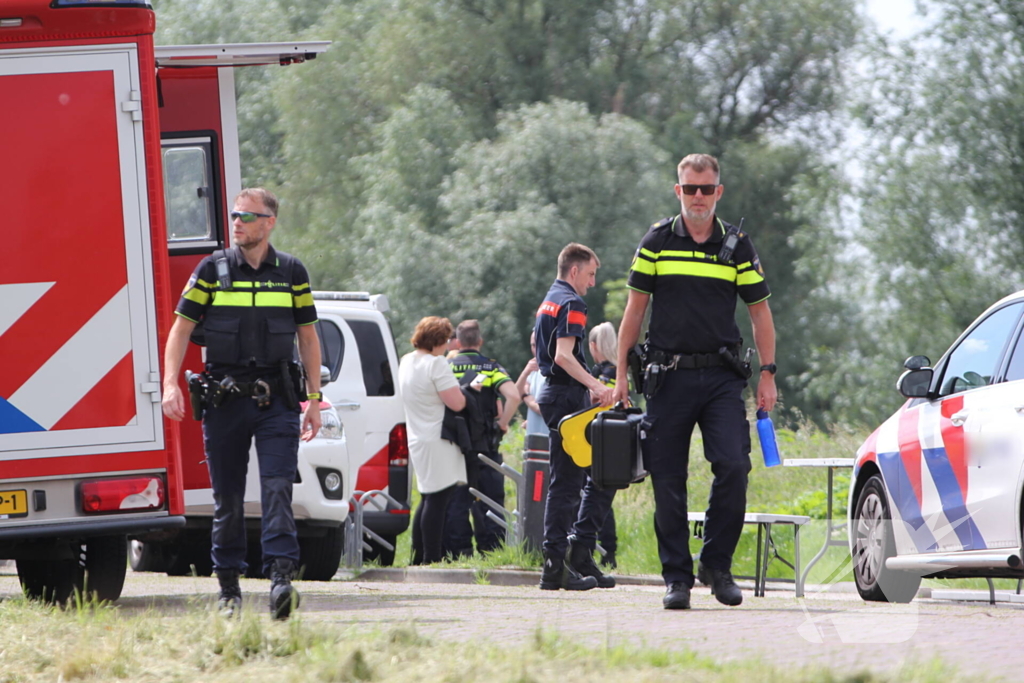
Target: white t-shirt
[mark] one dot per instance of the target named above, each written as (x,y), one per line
(534,422)
(438,463)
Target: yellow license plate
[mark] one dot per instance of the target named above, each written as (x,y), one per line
(13,504)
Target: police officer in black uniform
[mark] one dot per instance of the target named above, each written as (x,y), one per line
(560,330)
(495,386)
(684,264)
(252,301)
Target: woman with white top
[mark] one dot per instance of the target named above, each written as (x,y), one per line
(428,385)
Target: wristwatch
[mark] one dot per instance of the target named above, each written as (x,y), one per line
(771,367)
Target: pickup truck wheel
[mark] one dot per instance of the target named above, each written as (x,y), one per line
(873,545)
(146,557)
(319,557)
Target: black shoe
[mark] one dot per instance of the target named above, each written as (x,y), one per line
(283,596)
(723,587)
(558,574)
(677,596)
(581,559)
(229,602)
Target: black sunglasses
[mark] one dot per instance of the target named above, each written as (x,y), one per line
(706,190)
(248,216)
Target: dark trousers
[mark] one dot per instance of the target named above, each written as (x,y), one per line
(710,398)
(567,479)
(458,534)
(228,432)
(428,525)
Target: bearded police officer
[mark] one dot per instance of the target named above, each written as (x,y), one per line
(252,302)
(694,266)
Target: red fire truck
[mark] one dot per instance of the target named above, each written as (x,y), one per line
(87,282)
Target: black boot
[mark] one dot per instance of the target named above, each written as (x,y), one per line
(229,603)
(558,574)
(723,587)
(283,596)
(677,596)
(581,559)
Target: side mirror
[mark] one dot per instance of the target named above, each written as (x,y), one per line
(325,375)
(915,383)
(917,362)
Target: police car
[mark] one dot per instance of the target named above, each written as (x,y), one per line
(936,490)
(362,446)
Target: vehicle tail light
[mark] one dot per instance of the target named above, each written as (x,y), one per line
(398,447)
(123,495)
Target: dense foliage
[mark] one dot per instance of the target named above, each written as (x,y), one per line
(442,152)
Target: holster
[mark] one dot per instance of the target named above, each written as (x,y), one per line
(292,384)
(196,393)
(636,367)
(733,362)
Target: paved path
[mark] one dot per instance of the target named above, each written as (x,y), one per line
(835,629)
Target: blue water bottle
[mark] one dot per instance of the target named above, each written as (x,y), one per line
(766,434)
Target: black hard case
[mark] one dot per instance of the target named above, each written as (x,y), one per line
(615,442)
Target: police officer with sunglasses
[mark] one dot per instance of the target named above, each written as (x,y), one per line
(253,302)
(691,269)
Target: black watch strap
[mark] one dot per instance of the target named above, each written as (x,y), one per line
(771,367)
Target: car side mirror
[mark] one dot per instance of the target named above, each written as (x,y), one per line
(915,383)
(325,375)
(917,362)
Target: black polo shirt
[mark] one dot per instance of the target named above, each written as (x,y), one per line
(563,314)
(693,294)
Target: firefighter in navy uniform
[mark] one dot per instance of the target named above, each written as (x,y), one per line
(560,328)
(470,366)
(684,264)
(253,302)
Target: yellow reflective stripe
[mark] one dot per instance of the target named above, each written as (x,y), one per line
(274,299)
(303,300)
(299,288)
(711,270)
(199,296)
(751,277)
(242,285)
(744,266)
(649,254)
(179,313)
(642,265)
(204,283)
(232,299)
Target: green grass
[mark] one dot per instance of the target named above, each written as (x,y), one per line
(100,643)
(783,490)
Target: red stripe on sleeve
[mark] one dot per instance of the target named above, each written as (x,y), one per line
(549,308)
(578,318)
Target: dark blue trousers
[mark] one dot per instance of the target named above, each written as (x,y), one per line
(568,479)
(228,432)
(710,398)
(458,534)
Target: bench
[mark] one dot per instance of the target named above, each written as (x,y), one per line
(764,522)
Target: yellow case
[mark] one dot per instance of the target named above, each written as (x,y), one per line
(573,429)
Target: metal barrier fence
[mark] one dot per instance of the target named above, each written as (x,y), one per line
(356,533)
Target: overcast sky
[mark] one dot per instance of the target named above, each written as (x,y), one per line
(895,16)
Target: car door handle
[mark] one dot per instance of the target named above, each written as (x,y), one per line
(351,405)
(958,419)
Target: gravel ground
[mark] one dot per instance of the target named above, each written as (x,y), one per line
(834,629)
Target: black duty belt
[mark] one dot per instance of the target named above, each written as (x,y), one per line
(691,361)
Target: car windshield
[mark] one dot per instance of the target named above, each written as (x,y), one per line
(975,361)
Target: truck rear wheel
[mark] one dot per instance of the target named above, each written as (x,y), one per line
(146,557)
(320,556)
(98,569)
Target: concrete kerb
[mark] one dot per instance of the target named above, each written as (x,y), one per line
(523,577)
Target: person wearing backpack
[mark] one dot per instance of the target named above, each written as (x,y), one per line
(497,400)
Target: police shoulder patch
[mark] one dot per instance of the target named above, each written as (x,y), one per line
(188,285)
(663,222)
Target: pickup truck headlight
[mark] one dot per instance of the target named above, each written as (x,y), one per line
(330,424)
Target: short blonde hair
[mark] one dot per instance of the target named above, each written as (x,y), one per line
(431,332)
(603,337)
(262,195)
(699,163)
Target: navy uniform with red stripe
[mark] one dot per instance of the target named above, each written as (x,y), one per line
(564,314)
(693,315)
